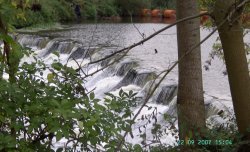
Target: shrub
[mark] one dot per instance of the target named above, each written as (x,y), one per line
(107,8)
(41,108)
(128,7)
(50,11)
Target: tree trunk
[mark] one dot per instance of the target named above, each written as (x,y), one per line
(190,101)
(11,71)
(6,53)
(231,35)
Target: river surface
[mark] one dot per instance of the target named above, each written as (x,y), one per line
(113,36)
(91,41)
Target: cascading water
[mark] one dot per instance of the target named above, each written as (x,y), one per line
(88,42)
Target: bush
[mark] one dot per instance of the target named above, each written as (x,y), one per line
(90,10)
(222,138)
(57,10)
(31,18)
(163,4)
(128,7)
(51,11)
(107,8)
(40,109)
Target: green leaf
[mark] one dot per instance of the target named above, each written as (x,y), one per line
(133,95)
(138,148)
(56,53)
(57,66)
(92,96)
(80,124)
(130,92)
(50,77)
(121,93)
(59,150)
(59,136)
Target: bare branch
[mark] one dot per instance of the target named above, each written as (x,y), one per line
(79,67)
(164,76)
(150,37)
(142,34)
(116,60)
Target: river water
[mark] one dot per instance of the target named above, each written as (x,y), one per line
(91,41)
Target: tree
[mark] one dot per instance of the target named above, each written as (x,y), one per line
(11,51)
(132,7)
(163,3)
(231,35)
(190,101)
(35,112)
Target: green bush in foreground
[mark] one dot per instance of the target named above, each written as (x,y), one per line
(36,112)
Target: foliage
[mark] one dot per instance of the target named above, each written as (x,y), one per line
(36,112)
(223,138)
(217,51)
(107,8)
(43,108)
(207,4)
(90,10)
(40,109)
(94,9)
(170,4)
(128,7)
(8,13)
(64,10)
(51,11)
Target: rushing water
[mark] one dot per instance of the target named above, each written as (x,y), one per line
(89,42)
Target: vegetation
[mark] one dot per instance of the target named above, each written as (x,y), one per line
(231,35)
(57,106)
(163,4)
(38,109)
(53,109)
(132,7)
(44,11)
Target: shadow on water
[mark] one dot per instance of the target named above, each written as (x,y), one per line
(127,20)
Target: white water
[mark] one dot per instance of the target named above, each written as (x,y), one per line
(91,36)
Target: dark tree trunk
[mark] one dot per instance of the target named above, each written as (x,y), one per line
(231,35)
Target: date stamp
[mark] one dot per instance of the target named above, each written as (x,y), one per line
(190,142)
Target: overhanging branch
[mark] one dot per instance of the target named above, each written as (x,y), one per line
(151,36)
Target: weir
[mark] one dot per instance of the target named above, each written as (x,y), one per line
(127,74)
(125,69)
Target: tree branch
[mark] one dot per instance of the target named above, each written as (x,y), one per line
(150,37)
(116,60)
(164,76)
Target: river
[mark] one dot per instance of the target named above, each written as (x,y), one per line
(91,41)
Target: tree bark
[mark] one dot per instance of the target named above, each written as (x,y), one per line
(231,35)
(11,71)
(5,56)
(190,101)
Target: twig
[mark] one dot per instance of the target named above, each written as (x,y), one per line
(118,59)
(142,34)
(79,67)
(150,37)
(164,76)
